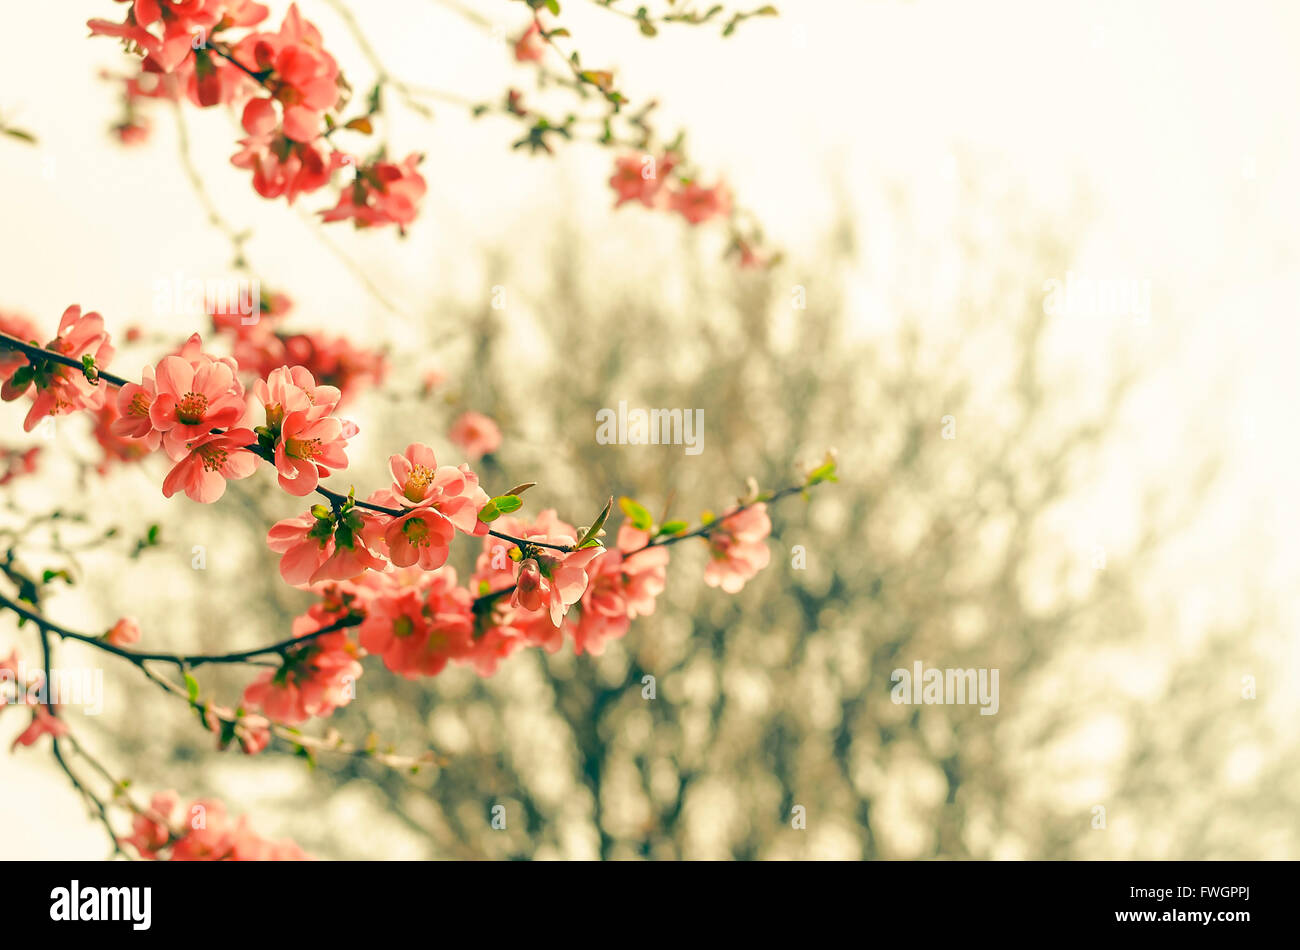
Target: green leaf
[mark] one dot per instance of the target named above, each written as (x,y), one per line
(600,78)
(594,531)
(305,753)
(489,513)
(192,687)
(673,527)
(505,504)
(553,6)
(637,513)
(20,135)
(520,489)
(823,473)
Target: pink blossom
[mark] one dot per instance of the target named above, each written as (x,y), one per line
(382,193)
(208,461)
(422,537)
(251,731)
(698,204)
(314,680)
(290,389)
(737,549)
(418,629)
(333,362)
(165,29)
(308,442)
(491,646)
(638,178)
(309,448)
(150,831)
(201,831)
(476,435)
(321,545)
(552,580)
(58,388)
(192,399)
(123,633)
(44,723)
(303,75)
(22,329)
(134,401)
(135,132)
(530,47)
(420,482)
(623,585)
(282,166)
(115,447)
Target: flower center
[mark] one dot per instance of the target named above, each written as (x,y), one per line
(192,408)
(302,448)
(402,626)
(416,531)
(213,456)
(417,483)
(140,404)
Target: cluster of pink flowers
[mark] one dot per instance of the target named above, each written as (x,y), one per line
(260,348)
(55,388)
(339,542)
(379,566)
(314,680)
(382,192)
(193,406)
(307,440)
(624,582)
(736,548)
(167,31)
(190,405)
(283,83)
(418,620)
(201,831)
(641,178)
(117,449)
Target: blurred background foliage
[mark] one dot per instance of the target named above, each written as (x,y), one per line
(942,550)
